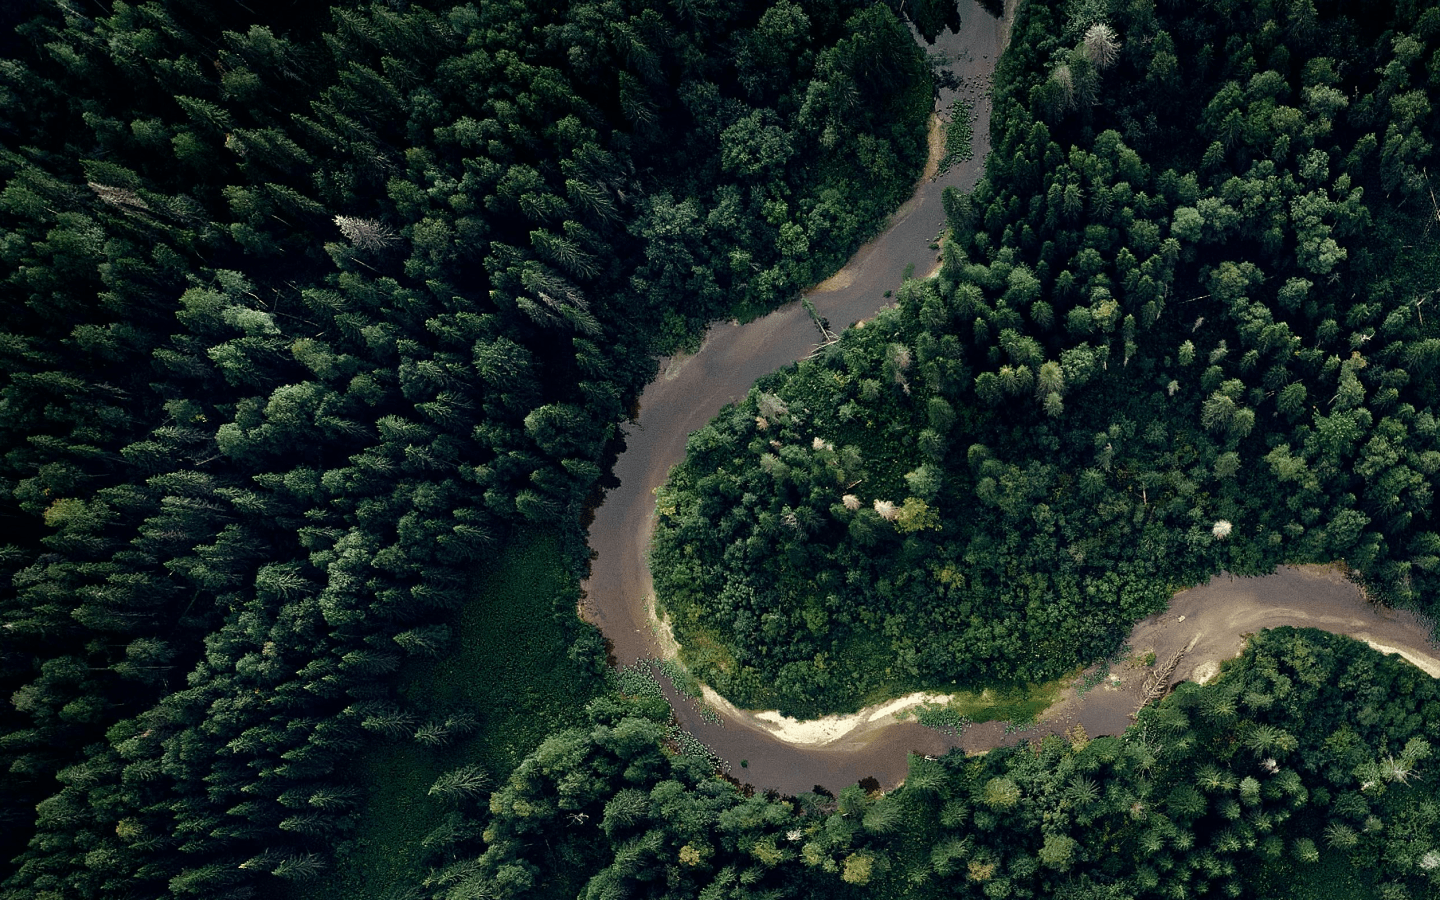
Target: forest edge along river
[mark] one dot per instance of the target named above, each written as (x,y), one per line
(1210,622)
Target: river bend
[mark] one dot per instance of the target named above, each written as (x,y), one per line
(690,390)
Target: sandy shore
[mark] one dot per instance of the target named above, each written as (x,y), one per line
(1210,624)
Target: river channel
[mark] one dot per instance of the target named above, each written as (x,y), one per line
(690,390)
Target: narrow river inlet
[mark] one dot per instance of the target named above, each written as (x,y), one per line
(1211,621)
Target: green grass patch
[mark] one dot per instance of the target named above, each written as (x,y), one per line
(959,136)
(1019,705)
(1093,679)
(701,648)
(941,717)
(510,668)
(688,685)
(1008,704)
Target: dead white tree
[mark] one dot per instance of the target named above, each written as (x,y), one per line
(366,234)
(1101,45)
(123,199)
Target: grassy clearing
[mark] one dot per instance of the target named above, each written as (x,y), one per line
(1008,704)
(510,668)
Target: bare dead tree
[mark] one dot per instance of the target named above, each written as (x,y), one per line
(366,234)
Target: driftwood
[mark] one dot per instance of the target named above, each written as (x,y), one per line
(827,337)
(820,347)
(1157,684)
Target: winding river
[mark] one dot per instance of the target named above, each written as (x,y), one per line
(790,757)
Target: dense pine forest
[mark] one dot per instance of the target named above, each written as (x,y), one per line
(321,321)
(1184,325)
(314,312)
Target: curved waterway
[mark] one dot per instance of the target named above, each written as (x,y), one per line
(690,390)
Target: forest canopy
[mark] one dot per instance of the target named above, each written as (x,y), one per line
(1182,325)
(319,316)
(312,308)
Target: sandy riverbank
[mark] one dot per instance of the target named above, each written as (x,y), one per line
(1210,623)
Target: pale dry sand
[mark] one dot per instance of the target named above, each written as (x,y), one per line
(807,732)
(936,141)
(837,282)
(832,728)
(1424,662)
(787,729)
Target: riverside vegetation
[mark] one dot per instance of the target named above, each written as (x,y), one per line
(1184,324)
(1305,771)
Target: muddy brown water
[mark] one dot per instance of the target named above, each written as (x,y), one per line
(690,390)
